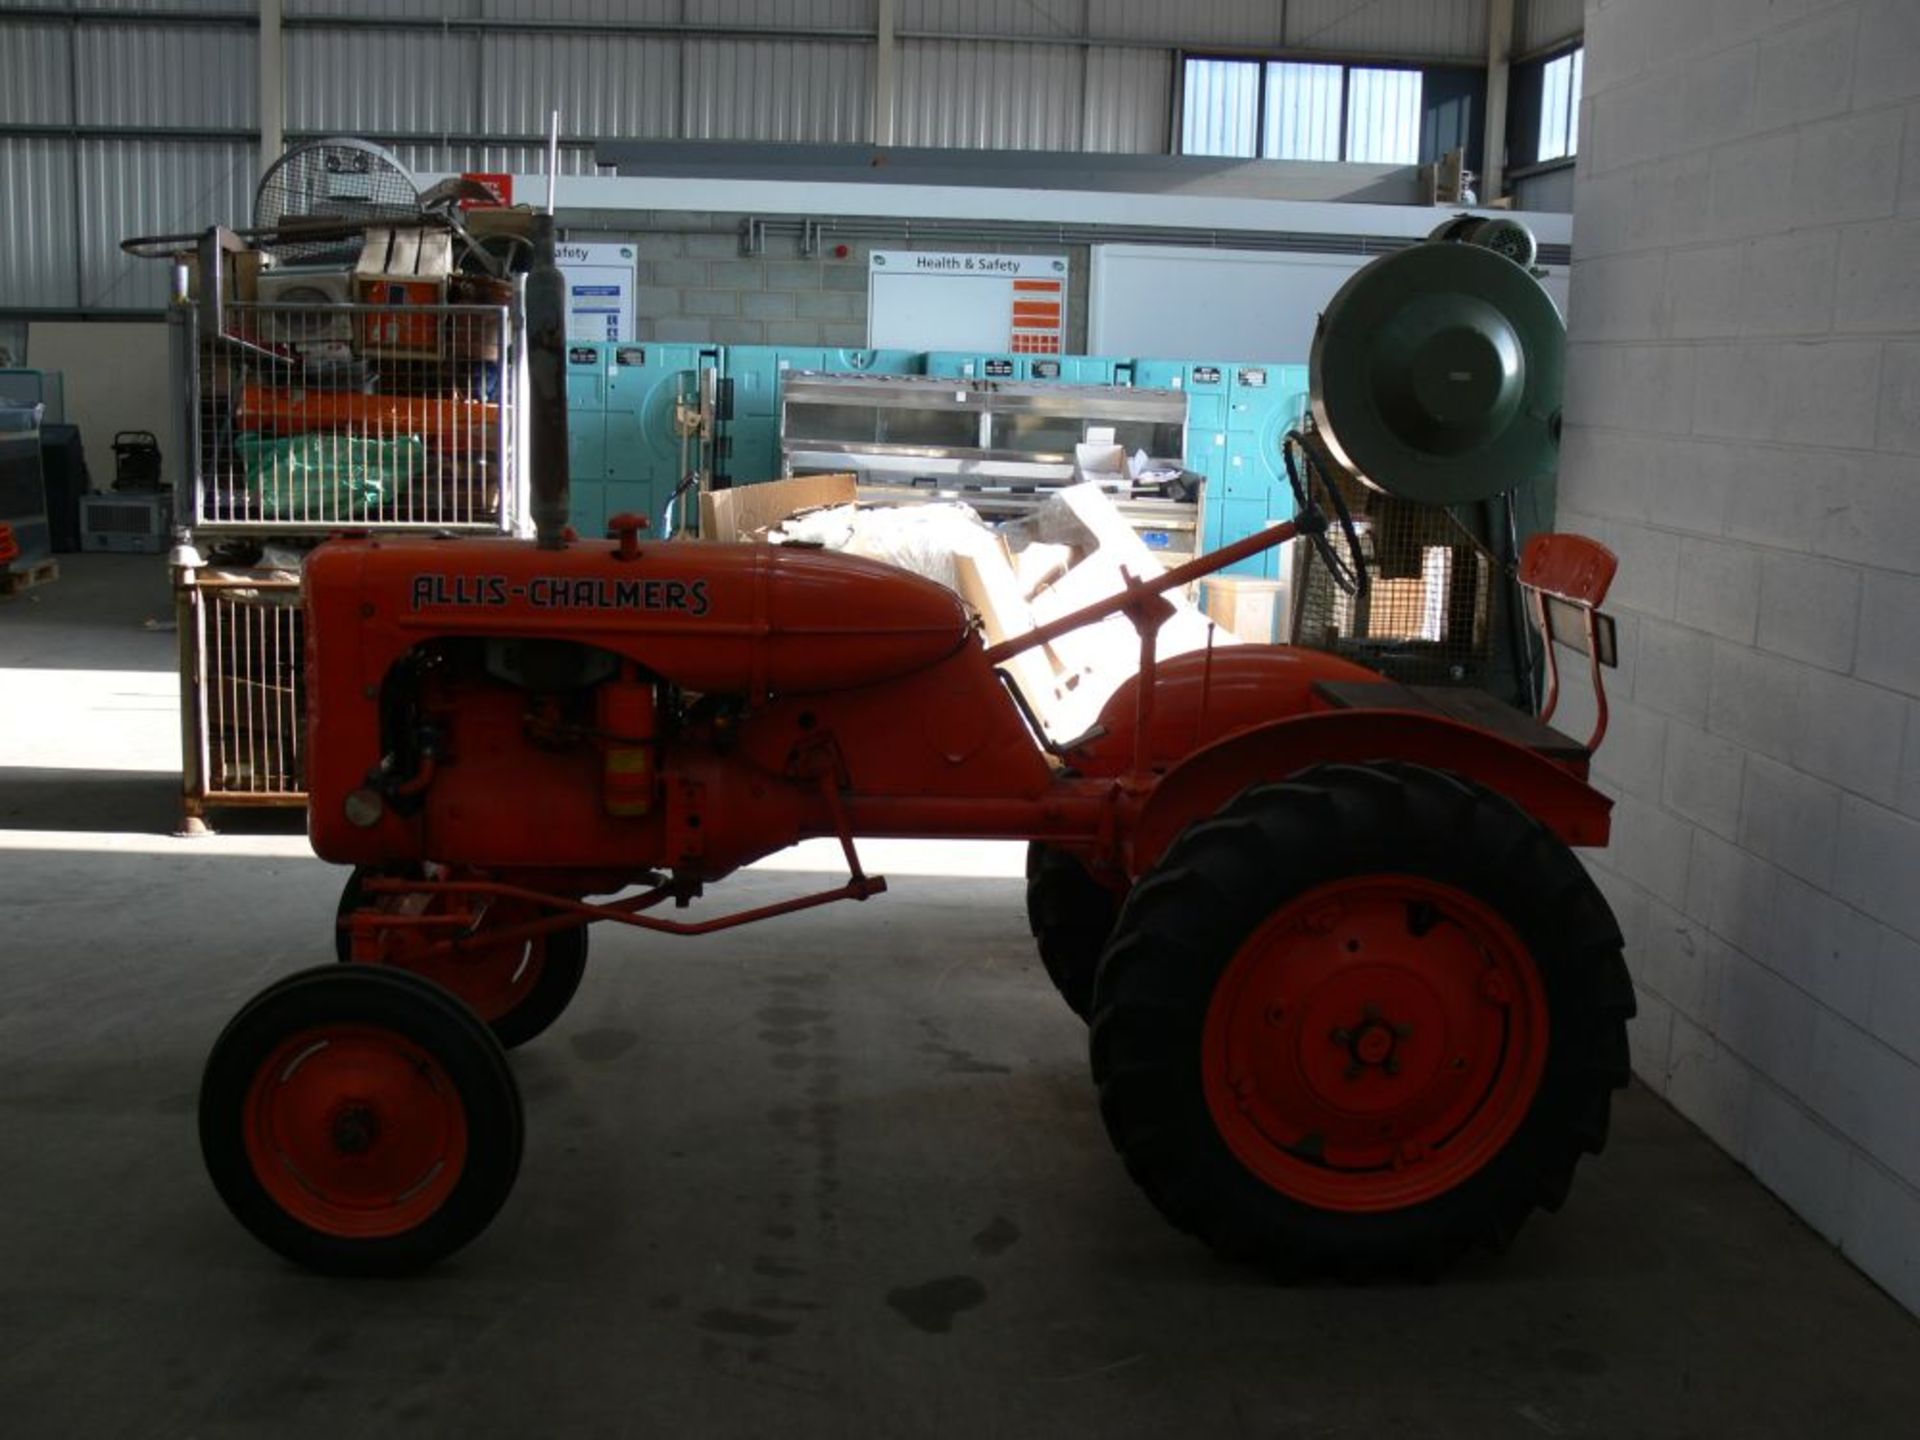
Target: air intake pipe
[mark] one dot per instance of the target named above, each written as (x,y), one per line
(547,381)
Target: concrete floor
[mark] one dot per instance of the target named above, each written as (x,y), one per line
(839,1175)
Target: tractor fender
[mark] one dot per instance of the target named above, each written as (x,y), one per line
(1202,696)
(1208,778)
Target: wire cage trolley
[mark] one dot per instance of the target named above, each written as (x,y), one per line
(300,421)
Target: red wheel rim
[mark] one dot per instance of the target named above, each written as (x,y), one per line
(355,1131)
(493,979)
(1375,1043)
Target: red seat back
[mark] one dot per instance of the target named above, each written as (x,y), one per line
(1566,577)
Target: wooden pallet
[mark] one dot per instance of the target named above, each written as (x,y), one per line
(25,577)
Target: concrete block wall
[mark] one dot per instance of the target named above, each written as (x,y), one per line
(695,285)
(1743,427)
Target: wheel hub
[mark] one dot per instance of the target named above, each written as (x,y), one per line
(355,1128)
(355,1131)
(1364,1049)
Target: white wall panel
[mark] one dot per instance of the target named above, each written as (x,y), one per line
(1456,29)
(586,12)
(34,75)
(1128,100)
(997,19)
(973,95)
(158,187)
(785,14)
(240,7)
(36,197)
(777,90)
(383,9)
(626,87)
(1194,24)
(381,81)
(197,75)
(431,158)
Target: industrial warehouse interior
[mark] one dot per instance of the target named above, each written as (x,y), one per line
(911,718)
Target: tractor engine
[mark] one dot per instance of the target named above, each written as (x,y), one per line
(494,705)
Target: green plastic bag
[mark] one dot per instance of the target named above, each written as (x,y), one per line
(328,477)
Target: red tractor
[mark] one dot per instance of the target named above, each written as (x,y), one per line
(1354,1004)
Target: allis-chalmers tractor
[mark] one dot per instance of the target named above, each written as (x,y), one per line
(1354,1004)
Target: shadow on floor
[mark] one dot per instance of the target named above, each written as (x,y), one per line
(137,802)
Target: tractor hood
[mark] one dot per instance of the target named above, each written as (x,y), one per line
(755,620)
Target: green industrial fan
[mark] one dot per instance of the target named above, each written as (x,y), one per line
(1435,419)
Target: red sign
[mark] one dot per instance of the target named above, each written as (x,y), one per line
(498,181)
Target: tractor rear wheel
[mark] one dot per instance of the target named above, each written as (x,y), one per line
(1360,1021)
(1071,915)
(519,987)
(360,1121)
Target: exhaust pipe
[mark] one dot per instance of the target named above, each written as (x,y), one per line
(551,485)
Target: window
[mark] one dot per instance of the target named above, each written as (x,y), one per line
(1303,112)
(1383,116)
(1560,105)
(1296,110)
(1222,104)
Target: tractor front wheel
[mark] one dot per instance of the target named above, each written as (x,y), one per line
(519,987)
(1361,1021)
(360,1121)
(1071,915)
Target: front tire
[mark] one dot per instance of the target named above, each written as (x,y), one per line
(360,1120)
(1361,1021)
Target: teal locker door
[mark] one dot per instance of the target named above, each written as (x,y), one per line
(890,362)
(1264,403)
(752,435)
(586,445)
(864,362)
(587,376)
(1206,387)
(1239,519)
(804,357)
(587,411)
(755,378)
(973,365)
(643,452)
(589,508)
(753,447)
(1075,369)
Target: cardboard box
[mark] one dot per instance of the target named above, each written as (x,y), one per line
(1249,608)
(747,512)
(409,267)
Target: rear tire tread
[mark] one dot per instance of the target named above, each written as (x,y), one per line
(1219,879)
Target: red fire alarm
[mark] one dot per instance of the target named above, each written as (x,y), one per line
(840,252)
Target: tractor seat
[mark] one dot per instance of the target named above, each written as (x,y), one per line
(1565,578)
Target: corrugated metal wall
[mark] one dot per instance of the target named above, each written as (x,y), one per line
(142,115)
(1540,23)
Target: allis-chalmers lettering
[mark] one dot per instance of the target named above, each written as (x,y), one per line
(561,592)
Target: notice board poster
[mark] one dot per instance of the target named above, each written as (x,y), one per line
(600,281)
(967,300)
